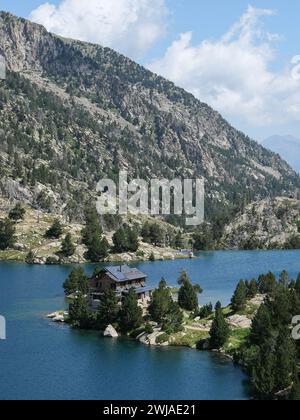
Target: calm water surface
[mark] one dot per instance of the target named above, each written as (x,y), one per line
(41,360)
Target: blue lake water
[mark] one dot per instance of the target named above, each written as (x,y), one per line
(41,360)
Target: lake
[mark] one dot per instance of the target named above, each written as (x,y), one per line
(42,360)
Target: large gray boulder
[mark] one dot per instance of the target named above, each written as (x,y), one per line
(110,332)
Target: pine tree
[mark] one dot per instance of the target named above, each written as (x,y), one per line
(97,250)
(286,361)
(160,303)
(17,213)
(92,237)
(79,314)
(187,296)
(280,306)
(252,289)
(76,282)
(261,330)
(131,315)
(55,231)
(146,233)
(173,318)
(297,285)
(267,283)
(67,247)
(156,234)
(178,241)
(92,227)
(30,258)
(239,298)
(284,279)
(120,241)
(263,375)
(108,310)
(7,234)
(125,240)
(220,331)
(132,240)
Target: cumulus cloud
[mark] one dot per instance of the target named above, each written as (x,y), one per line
(234,73)
(129,26)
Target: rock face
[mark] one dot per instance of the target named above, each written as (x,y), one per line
(265,224)
(239,321)
(81,111)
(110,332)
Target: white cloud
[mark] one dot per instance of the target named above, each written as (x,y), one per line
(234,75)
(129,26)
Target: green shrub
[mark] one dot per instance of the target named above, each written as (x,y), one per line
(149,329)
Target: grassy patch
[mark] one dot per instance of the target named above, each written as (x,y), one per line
(237,338)
(189,339)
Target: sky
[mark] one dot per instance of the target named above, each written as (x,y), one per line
(241,57)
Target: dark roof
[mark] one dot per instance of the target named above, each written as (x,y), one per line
(143,290)
(124,273)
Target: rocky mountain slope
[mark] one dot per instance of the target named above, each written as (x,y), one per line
(73,112)
(270,223)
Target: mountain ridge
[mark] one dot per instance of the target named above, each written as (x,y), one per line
(288,147)
(95,111)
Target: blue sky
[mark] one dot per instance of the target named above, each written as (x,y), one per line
(236,58)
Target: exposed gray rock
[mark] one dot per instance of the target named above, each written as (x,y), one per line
(110,332)
(268,223)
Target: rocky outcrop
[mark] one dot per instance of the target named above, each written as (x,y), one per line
(110,332)
(59,317)
(271,223)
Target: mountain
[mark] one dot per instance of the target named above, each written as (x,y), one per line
(270,223)
(73,112)
(286,146)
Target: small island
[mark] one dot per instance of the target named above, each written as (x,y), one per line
(254,330)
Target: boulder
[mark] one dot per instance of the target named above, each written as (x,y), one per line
(239,321)
(59,318)
(110,332)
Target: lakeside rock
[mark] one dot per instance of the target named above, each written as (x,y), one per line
(58,316)
(110,332)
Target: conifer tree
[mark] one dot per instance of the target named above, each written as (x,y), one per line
(297,285)
(79,314)
(263,375)
(239,298)
(30,257)
(267,283)
(284,278)
(67,247)
(17,213)
(131,315)
(76,282)
(187,296)
(7,234)
(220,331)
(55,231)
(252,289)
(160,303)
(92,237)
(174,318)
(286,361)
(108,309)
(261,330)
